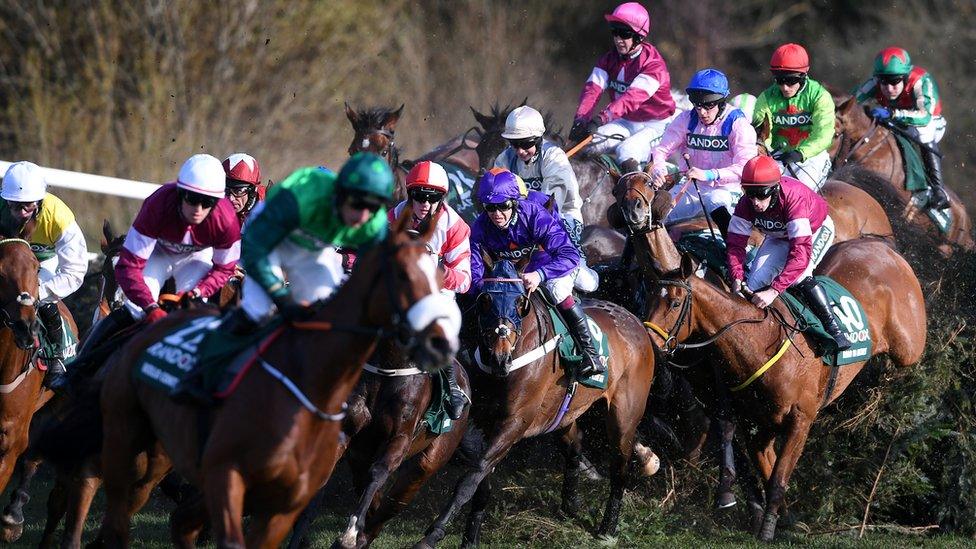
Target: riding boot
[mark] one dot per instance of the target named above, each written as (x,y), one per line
(576,322)
(88,355)
(932,159)
(458,397)
(191,389)
(53,354)
(816,299)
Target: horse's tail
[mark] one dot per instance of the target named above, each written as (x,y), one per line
(77,434)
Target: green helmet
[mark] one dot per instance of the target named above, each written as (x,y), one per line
(366,173)
(892,61)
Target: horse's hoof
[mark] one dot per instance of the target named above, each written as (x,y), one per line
(423,544)
(650,463)
(11,532)
(606,540)
(768,530)
(725,500)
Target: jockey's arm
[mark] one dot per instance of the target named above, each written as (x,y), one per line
(672,140)
(640,90)
(548,232)
(925,97)
(477,266)
(742,143)
(592,90)
(278,218)
(822,127)
(132,259)
(456,257)
(800,236)
(559,177)
(72,252)
(225,258)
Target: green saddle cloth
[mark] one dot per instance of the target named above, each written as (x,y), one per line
(917,184)
(164,363)
(460,192)
(850,317)
(436,417)
(571,357)
(68,345)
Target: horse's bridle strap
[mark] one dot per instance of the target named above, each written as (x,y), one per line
(300,396)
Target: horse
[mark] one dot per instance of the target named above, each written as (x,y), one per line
(783,402)
(386,434)
(277,454)
(860,140)
(374,130)
(525,392)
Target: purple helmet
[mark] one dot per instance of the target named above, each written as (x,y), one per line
(497,186)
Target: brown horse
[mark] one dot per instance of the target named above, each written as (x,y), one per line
(375,131)
(385,430)
(860,140)
(525,392)
(276,454)
(785,400)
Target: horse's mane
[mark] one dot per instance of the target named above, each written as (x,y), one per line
(497,115)
(373,117)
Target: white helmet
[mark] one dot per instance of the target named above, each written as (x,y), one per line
(524,123)
(202,174)
(23,182)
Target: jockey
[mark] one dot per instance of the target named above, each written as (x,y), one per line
(295,234)
(798,233)
(802,115)
(31,213)
(908,96)
(427,187)
(513,228)
(718,139)
(244,189)
(186,230)
(639,88)
(544,167)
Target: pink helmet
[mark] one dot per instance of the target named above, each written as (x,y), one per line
(633,15)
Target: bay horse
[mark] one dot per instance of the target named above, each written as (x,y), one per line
(270,445)
(526,392)
(860,141)
(784,401)
(374,130)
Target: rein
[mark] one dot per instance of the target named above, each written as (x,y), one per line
(838,161)
(463,145)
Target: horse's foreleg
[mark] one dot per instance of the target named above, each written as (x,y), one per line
(573,452)
(57,502)
(622,420)
(796,437)
(476,517)
(187,520)
(79,499)
(387,462)
(504,438)
(267,532)
(13,514)
(224,490)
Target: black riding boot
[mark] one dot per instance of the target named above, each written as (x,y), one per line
(816,299)
(458,399)
(939,200)
(576,322)
(191,389)
(91,352)
(54,332)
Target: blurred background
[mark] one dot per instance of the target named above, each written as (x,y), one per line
(132,88)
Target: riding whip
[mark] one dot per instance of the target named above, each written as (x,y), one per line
(701,201)
(584,142)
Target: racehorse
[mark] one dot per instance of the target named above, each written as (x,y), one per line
(278,453)
(385,430)
(860,140)
(375,131)
(784,401)
(525,392)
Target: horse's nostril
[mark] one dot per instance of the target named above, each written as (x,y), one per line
(440,345)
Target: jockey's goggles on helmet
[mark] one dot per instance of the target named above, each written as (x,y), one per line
(760,191)
(429,196)
(196,199)
(707,105)
(624,33)
(503,207)
(364,202)
(523,144)
(238,188)
(788,79)
(891,79)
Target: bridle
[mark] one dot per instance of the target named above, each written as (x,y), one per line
(390,152)
(839,160)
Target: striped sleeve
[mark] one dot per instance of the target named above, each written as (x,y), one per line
(456,252)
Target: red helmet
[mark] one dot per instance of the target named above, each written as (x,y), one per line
(242,167)
(761,171)
(427,175)
(790,58)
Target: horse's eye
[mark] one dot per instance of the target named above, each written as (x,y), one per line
(674,303)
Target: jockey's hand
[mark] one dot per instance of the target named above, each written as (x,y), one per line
(292,310)
(531,281)
(659,181)
(764,298)
(736,286)
(880,113)
(154,313)
(697,174)
(191,299)
(789,157)
(578,132)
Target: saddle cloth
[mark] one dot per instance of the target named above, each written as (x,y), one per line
(850,317)
(917,184)
(570,356)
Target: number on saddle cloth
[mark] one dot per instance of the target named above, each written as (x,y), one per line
(850,315)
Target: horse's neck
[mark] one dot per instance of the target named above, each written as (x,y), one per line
(656,251)
(539,315)
(12,359)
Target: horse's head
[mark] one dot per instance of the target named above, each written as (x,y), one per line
(491,143)
(669,305)
(851,124)
(18,290)
(111,295)
(408,297)
(640,206)
(374,132)
(502,305)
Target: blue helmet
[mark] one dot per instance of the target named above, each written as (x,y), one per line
(708,85)
(497,186)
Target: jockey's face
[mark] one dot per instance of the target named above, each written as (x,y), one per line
(239,197)
(707,112)
(624,40)
(22,211)
(423,201)
(499,215)
(356,212)
(760,204)
(194,214)
(891,89)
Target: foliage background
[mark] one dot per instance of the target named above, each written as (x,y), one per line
(131,88)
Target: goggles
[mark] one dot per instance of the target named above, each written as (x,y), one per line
(760,192)
(197,199)
(523,144)
(624,33)
(503,207)
(891,79)
(425,195)
(789,80)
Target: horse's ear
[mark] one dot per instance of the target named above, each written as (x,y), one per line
(550,204)
(391,119)
(649,168)
(524,101)
(485,121)
(688,266)
(352,115)
(401,223)
(847,106)
(661,205)
(107,233)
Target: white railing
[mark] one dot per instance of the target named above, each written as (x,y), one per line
(93,183)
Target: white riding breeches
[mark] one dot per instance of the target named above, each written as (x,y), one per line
(638,138)
(688,206)
(812,172)
(562,287)
(933,131)
(773,252)
(186,269)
